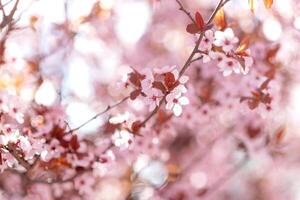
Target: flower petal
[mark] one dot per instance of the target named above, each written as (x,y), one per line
(177,110)
(183,79)
(183,100)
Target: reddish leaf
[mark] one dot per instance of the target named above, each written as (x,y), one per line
(74,144)
(265,84)
(266,99)
(243,46)
(159,85)
(192,28)
(253,104)
(268,3)
(169,80)
(279,135)
(57,132)
(110,128)
(134,94)
(134,78)
(253,132)
(135,127)
(220,20)
(199,21)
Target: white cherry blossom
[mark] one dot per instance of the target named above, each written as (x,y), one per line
(225,39)
(175,103)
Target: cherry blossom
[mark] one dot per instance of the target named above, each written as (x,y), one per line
(122,139)
(84,184)
(225,39)
(175,102)
(229,65)
(207,42)
(153,98)
(141,106)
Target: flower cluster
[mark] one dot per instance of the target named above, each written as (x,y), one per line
(159,85)
(222,47)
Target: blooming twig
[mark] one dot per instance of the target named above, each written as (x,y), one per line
(190,59)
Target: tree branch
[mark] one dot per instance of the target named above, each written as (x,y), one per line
(109,107)
(8,19)
(18,156)
(190,59)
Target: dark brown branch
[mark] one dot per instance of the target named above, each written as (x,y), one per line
(9,18)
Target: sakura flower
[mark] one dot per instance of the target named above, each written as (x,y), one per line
(153,98)
(53,150)
(80,162)
(175,103)
(24,144)
(225,39)
(207,41)
(13,137)
(182,80)
(229,65)
(122,139)
(217,56)
(84,184)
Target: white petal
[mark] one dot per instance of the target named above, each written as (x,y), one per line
(227,72)
(177,110)
(170,97)
(175,73)
(169,105)
(237,68)
(179,89)
(218,43)
(209,34)
(219,35)
(245,71)
(235,40)
(183,79)
(183,100)
(229,33)
(248,61)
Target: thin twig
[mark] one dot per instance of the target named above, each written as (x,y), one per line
(185,11)
(109,107)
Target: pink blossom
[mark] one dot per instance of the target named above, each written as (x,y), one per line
(225,39)
(122,139)
(175,103)
(207,41)
(229,65)
(153,98)
(84,184)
